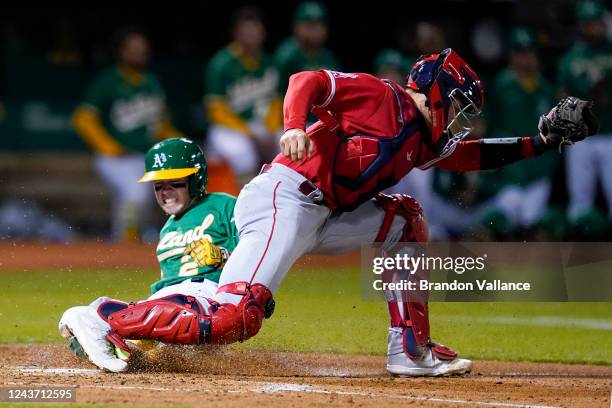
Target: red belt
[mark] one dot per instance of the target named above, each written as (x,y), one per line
(307,187)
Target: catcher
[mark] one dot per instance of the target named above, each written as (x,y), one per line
(194,244)
(320,195)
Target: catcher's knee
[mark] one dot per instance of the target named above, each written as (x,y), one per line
(231,323)
(171,319)
(415,228)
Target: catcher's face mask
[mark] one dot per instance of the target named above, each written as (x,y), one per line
(461,117)
(454,95)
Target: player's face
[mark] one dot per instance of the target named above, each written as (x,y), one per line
(524,60)
(172,195)
(135,51)
(311,33)
(250,34)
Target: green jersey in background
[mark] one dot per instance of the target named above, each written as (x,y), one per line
(514,111)
(211,218)
(248,88)
(131,113)
(290,58)
(585,71)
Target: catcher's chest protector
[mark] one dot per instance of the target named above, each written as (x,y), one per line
(351,169)
(364,164)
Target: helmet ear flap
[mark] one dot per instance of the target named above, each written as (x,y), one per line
(197,183)
(192,184)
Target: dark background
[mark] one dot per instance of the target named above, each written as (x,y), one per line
(36,37)
(199,28)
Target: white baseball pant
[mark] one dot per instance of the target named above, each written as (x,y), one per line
(277,224)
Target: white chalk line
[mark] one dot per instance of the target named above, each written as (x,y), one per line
(279,387)
(58,371)
(544,374)
(319,373)
(543,321)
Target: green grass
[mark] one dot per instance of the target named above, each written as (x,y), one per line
(320,310)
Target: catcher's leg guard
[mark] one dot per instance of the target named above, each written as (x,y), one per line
(230,323)
(171,319)
(409,316)
(402,205)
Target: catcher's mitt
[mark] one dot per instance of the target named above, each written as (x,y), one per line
(570,121)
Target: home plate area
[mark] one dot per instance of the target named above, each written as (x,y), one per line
(229,377)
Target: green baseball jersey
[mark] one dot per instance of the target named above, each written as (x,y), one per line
(248,90)
(514,111)
(211,218)
(290,58)
(131,113)
(585,71)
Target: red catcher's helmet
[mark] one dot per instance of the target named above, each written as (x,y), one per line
(450,85)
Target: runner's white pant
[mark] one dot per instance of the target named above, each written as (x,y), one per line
(201,290)
(130,200)
(277,224)
(588,161)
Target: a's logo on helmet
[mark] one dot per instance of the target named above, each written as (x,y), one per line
(159,160)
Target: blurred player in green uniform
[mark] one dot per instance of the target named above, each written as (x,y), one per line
(121,115)
(518,194)
(586,71)
(305,50)
(242,102)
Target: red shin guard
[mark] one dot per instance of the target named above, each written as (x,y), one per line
(414,316)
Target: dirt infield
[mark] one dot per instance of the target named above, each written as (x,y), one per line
(97,255)
(226,377)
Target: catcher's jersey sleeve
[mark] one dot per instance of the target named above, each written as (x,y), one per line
(361,102)
(213,219)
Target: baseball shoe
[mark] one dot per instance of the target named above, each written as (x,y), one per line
(428,364)
(87,335)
